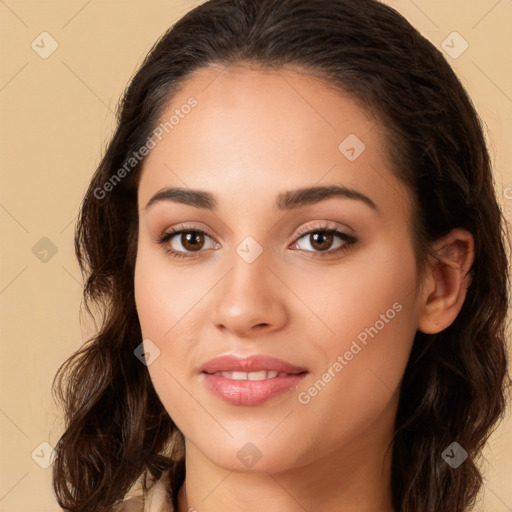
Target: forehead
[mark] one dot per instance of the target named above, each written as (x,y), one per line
(254,132)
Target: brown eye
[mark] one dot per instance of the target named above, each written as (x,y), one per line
(321,240)
(184,242)
(192,240)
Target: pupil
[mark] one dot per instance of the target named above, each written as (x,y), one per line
(192,240)
(320,239)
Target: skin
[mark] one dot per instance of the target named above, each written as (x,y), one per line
(254,135)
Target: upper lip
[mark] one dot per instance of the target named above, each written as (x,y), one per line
(230,363)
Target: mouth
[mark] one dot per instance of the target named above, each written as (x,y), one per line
(250,381)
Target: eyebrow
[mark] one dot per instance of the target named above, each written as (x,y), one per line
(285,200)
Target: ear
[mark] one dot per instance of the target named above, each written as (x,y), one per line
(446,281)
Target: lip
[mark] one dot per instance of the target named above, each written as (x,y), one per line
(250,392)
(231,363)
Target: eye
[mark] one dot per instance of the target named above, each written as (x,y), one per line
(183,241)
(321,238)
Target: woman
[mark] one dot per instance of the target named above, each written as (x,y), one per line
(296,247)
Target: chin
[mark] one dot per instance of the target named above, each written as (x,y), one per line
(251,454)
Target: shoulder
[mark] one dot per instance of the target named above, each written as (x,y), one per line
(157,499)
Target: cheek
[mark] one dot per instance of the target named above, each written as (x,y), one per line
(162,304)
(372,316)
(370,294)
(169,301)
(164,294)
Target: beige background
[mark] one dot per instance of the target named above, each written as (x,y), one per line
(56,117)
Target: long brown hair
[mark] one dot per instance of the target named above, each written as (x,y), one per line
(454,387)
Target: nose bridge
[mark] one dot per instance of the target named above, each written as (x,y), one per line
(248,297)
(247,285)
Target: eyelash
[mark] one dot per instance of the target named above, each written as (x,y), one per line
(169,235)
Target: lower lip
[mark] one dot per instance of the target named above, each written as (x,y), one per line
(250,392)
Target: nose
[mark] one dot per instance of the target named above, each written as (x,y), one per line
(250,299)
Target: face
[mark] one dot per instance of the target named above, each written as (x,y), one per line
(290,242)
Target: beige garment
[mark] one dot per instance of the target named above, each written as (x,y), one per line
(158,498)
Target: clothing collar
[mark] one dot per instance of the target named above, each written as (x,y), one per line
(157,499)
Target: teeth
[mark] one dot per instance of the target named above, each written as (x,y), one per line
(261,375)
(257,375)
(238,376)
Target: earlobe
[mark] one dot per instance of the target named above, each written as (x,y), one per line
(447,281)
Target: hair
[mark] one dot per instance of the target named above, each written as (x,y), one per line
(455,384)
